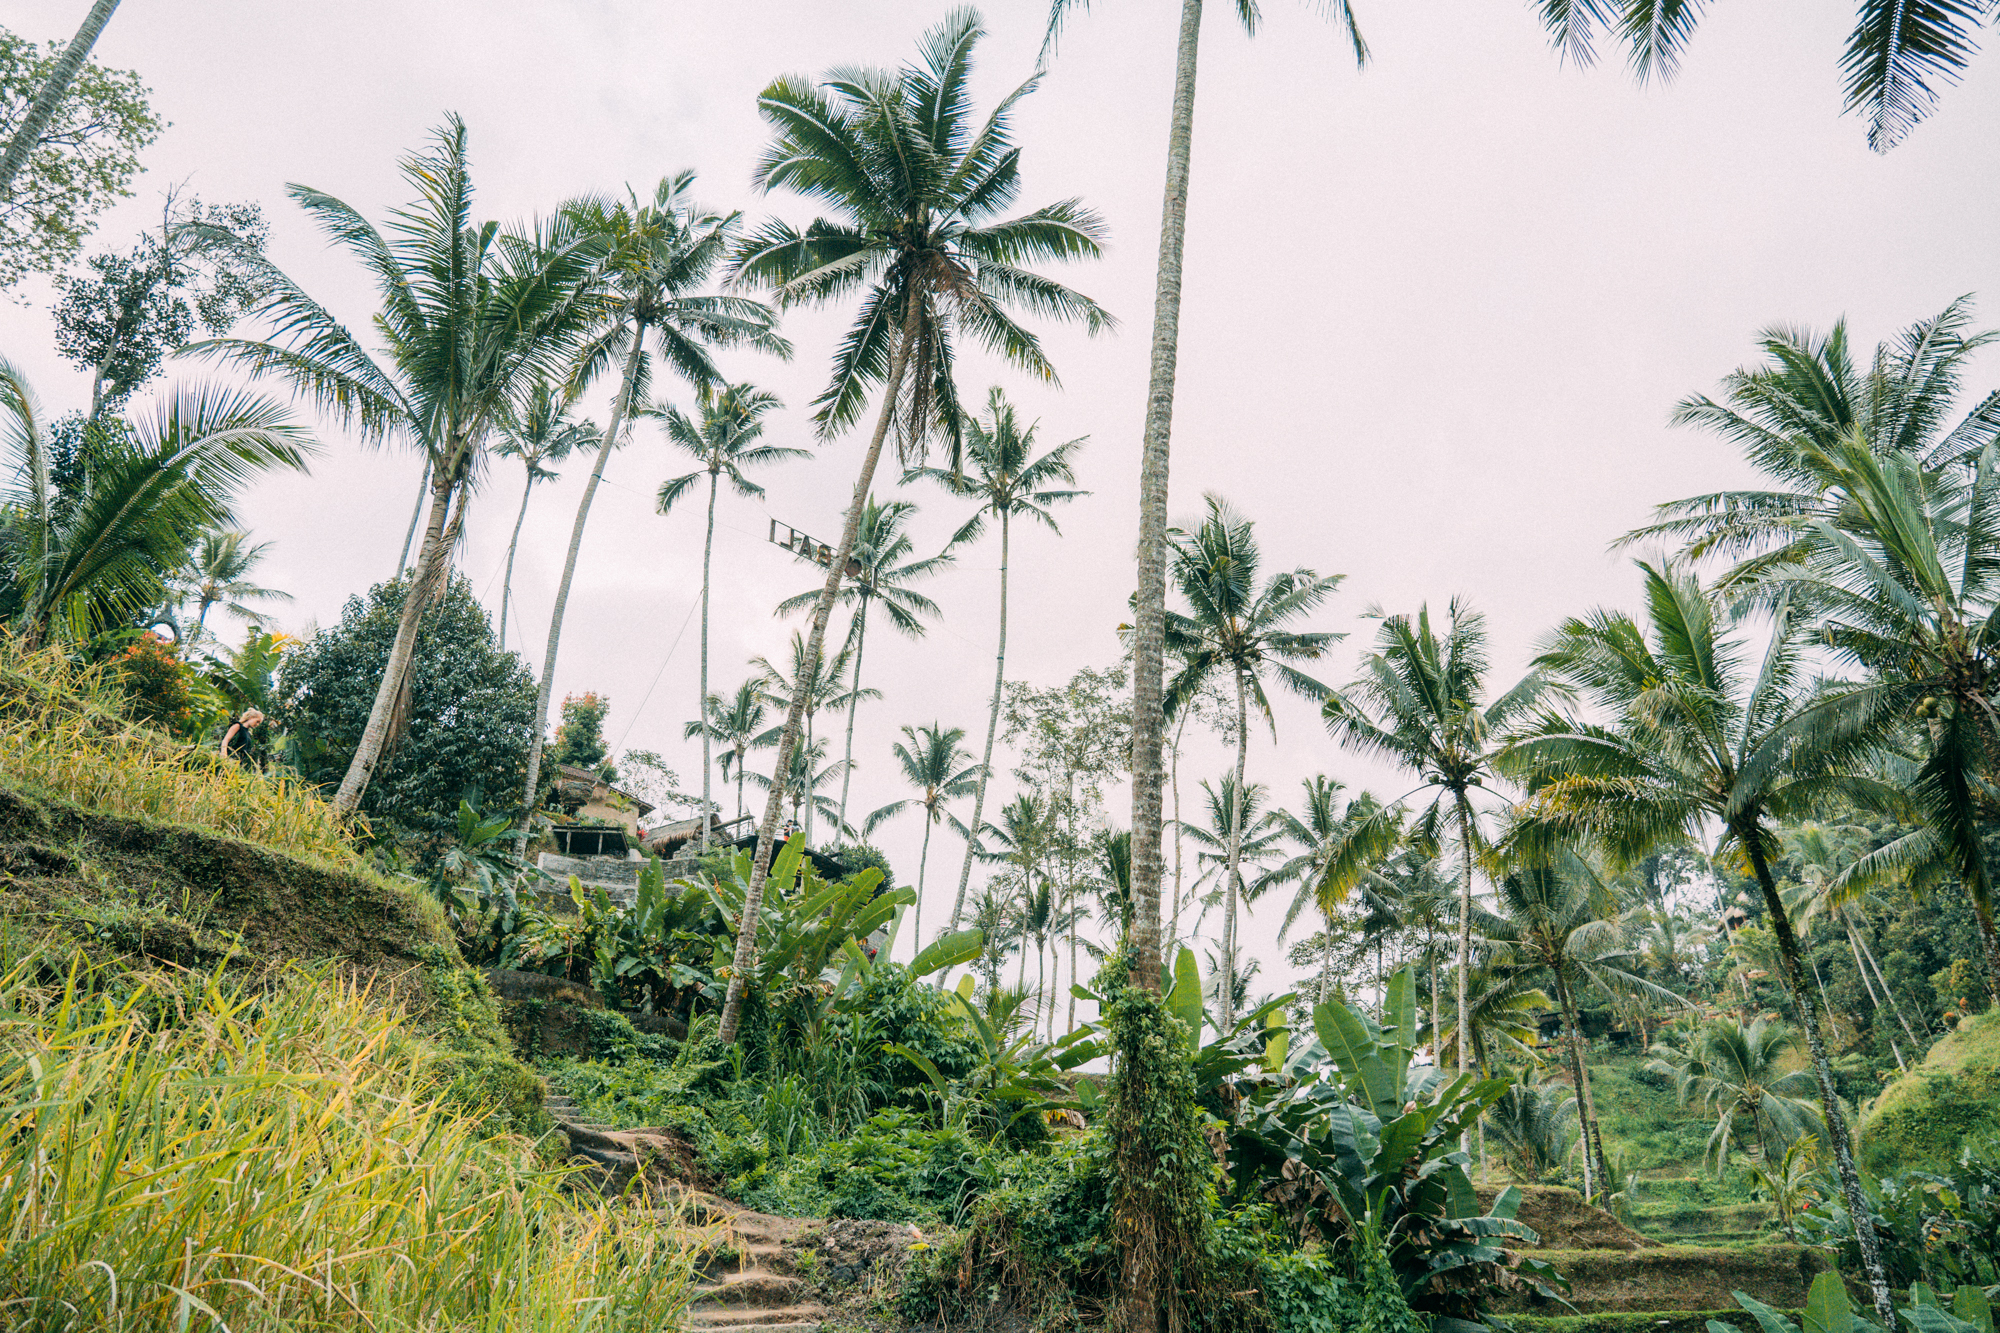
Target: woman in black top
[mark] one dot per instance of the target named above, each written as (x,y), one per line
(239,742)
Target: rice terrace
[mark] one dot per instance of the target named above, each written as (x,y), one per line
(1129,666)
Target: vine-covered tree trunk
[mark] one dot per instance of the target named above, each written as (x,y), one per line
(1829,1096)
(788,741)
(992,726)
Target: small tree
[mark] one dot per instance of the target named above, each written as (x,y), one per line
(468,706)
(580,737)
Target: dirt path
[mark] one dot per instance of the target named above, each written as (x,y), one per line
(747,1282)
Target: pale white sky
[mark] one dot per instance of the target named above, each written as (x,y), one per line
(1436,312)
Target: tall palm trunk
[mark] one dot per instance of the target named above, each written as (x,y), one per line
(1149,618)
(767,832)
(416,515)
(923,859)
(619,411)
(1235,855)
(1465,945)
(376,733)
(1829,1098)
(992,726)
(1174,923)
(741,755)
(853,707)
(1594,1172)
(50,95)
(513,544)
(707,554)
(1863,952)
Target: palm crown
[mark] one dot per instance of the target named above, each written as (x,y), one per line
(999,470)
(725,438)
(917,189)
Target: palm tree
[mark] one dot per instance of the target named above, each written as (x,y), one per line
(1334,851)
(802,788)
(1114,878)
(1791,417)
(725,440)
(881,569)
(1536,1126)
(917,191)
(1216,842)
(1022,844)
(1822,854)
(814,682)
(998,469)
(217,573)
(1419,704)
(1733,1071)
(940,768)
(1897,56)
(1559,916)
(470,318)
(77,565)
(1695,737)
(735,721)
(539,432)
(1150,604)
(657,255)
(1236,629)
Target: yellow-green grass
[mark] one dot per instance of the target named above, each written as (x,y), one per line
(178,1154)
(63,732)
(1925,1116)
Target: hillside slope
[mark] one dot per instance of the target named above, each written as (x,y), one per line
(1949,1100)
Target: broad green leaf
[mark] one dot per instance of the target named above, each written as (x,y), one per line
(1971,1305)
(1767,1319)
(952,950)
(1184,1000)
(1827,1310)
(921,1061)
(1353,1048)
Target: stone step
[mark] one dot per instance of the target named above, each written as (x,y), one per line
(752,1288)
(780,1321)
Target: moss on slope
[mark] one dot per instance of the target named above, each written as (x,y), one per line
(1926,1115)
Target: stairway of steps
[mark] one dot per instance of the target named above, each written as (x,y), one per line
(746,1282)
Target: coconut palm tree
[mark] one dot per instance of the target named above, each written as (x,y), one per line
(1220,802)
(470,318)
(1022,843)
(941,770)
(814,682)
(917,190)
(999,470)
(1420,703)
(809,774)
(540,432)
(1334,850)
(658,255)
(726,439)
(1235,630)
(1698,734)
(77,565)
(882,570)
(1821,854)
(1792,414)
(1897,59)
(217,573)
(1737,1071)
(735,721)
(1150,605)
(1556,915)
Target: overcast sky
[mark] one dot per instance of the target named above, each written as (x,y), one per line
(1436,313)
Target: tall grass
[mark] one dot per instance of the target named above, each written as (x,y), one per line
(181,1155)
(63,729)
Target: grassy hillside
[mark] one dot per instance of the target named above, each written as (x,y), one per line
(1951,1099)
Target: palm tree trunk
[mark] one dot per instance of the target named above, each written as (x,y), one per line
(923,859)
(376,733)
(1437,1013)
(1174,927)
(1150,606)
(416,515)
(741,755)
(1829,1098)
(992,726)
(1235,855)
(619,411)
(707,554)
(1586,1106)
(513,544)
(50,95)
(853,707)
(1862,951)
(767,831)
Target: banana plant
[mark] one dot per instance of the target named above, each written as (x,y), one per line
(1010,1077)
(804,921)
(1363,1140)
(1828,1310)
(643,951)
